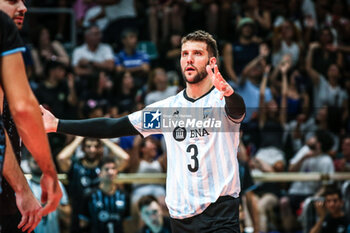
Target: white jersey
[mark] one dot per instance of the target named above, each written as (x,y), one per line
(202,143)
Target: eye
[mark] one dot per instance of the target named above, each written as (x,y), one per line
(197,53)
(184,54)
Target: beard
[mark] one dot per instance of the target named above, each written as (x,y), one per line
(199,76)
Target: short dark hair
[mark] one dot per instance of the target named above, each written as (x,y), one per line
(128,31)
(50,65)
(325,139)
(83,143)
(330,190)
(203,36)
(107,159)
(146,201)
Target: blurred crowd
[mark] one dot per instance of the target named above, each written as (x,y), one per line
(289,60)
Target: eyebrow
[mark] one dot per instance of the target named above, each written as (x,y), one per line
(194,50)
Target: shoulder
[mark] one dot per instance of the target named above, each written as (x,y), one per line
(80,49)
(104,46)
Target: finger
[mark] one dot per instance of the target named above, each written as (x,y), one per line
(37,219)
(29,222)
(209,71)
(23,221)
(216,69)
(42,108)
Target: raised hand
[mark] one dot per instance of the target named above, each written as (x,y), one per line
(264,50)
(50,121)
(219,82)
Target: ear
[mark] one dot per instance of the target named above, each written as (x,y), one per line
(212,62)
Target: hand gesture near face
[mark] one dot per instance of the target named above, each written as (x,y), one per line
(219,82)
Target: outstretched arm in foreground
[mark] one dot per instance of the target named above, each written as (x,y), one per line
(94,128)
(26,114)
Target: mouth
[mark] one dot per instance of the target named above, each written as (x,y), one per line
(190,69)
(19,19)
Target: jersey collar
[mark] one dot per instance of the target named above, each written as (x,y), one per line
(194,100)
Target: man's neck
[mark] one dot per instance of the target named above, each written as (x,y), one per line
(156,229)
(129,51)
(90,164)
(196,90)
(108,188)
(245,41)
(92,48)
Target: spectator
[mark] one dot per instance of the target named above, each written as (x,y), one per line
(151,214)
(104,209)
(321,54)
(168,14)
(342,164)
(326,88)
(158,88)
(312,157)
(170,53)
(331,216)
(286,40)
(57,92)
(99,90)
(145,161)
(298,130)
(46,50)
(83,173)
(237,55)
(51,222)
(80,8)
(248,85)
(132,60)
(260,17)
(124,93)
(93,56)
(297,97)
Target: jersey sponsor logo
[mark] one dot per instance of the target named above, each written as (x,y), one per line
(196,133)
(85,181)
(152,119)
(105,216)
(206,112)
(179,134)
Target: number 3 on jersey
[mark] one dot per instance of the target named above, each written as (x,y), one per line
(193,149)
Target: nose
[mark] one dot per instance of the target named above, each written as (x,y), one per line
(190,59)
(22,8)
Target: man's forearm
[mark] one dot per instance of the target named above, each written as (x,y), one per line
(29,123)
(317,227)
(98,127)
(235,107)
(12,172)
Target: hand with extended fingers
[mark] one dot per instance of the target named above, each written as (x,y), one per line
(219,82)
